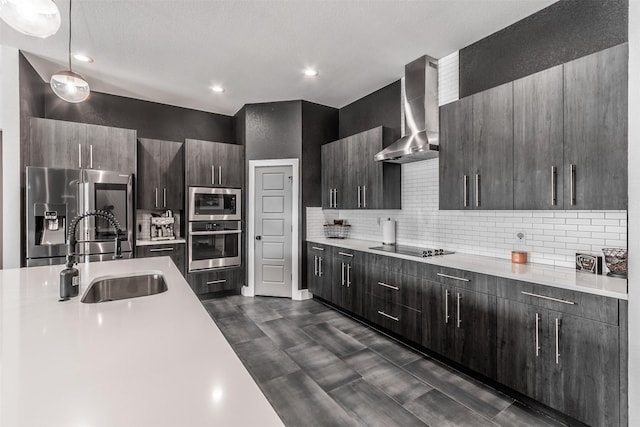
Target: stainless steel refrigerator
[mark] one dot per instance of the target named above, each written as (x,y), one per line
(56,196)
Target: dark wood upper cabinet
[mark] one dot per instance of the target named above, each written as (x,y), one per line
(61,144)
(354,180)
(456,155)
(214,164)
(493,148)
(476,151)
(160,174)
(595,130)
(538,140)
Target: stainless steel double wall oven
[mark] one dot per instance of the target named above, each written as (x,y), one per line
(215,231)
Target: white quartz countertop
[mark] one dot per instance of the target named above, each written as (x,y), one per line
(159,242)
(157,360)
(559,277)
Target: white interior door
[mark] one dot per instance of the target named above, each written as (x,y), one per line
(273,230)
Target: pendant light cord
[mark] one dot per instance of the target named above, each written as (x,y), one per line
(70,35)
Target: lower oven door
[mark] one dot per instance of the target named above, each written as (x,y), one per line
(213,249)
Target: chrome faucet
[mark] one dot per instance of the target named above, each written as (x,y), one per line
(70,276)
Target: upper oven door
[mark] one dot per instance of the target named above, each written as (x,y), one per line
(111,192)
(214,204)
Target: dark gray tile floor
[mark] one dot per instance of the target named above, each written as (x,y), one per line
(319,367)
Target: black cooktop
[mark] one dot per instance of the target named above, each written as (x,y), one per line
(412,251)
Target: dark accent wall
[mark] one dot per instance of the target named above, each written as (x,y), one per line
(380,108)
(273,130)
(31,93)
(150,119)
(562,32)
(319,126)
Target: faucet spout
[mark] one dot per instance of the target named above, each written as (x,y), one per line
(70,276)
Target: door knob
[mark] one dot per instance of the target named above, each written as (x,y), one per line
(258,237)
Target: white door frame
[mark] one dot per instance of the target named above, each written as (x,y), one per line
(249,290)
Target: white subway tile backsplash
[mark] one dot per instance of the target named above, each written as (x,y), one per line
(551,237)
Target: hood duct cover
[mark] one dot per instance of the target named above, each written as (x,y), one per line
(421,118)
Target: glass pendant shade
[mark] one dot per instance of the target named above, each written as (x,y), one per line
(70,86)
(37,18)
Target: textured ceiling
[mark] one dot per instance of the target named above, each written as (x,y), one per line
(172,51)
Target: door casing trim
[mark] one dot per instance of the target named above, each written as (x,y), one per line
(249,289)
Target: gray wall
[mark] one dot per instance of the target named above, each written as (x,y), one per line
(379,108)
(273,130)
(562,32)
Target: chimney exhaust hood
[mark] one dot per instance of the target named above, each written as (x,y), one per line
(421,115)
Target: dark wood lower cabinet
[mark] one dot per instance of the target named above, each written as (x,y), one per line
(176,251)
(557,346)
(566,362)
(319,270)
(461,325)
(209,281)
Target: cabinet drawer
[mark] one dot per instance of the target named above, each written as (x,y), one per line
(215,281)
(348,255)
(461,278)
(318,249)
(399,319)
(576,303)
(175,250)
(395,287)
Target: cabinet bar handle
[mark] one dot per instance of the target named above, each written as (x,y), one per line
(557,341)
(572,167)
(453,277)
(397,319)
(395,288)
(91,156)
(213,282)
(554,179)
(477,190)
(359,197)
(342,253)
(156,197)
(161,250)
(315,265)
(220,174)
(317,248)
(213,175)
(331,198)
(342,274)
(459,297)
(164,197)
(335,196)
(465,190)
(549,298)
(320,266)
(537,334)
(364,196)
(348,275)
(79,156)
(446,306)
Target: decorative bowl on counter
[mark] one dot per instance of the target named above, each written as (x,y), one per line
(616,260)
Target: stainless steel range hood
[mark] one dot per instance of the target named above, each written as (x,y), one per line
(421,116)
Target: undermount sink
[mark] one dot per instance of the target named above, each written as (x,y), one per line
(114,288)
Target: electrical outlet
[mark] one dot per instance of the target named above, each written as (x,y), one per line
(521,237)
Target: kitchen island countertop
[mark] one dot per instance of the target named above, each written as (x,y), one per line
(157,360)
(559,277)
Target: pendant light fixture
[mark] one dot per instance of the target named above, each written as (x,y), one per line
(37,18)
(70,86)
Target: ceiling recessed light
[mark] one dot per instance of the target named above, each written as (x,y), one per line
(218,89)
(82,57)
(310,72)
